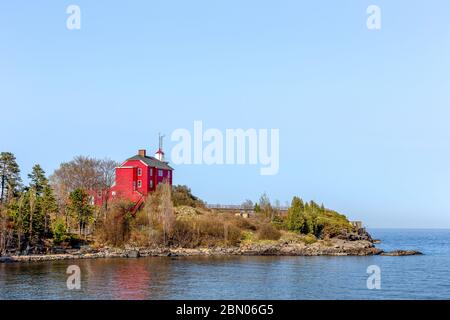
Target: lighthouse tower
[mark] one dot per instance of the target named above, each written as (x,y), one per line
(160,153)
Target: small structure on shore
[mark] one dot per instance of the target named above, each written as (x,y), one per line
(357,224)
(137,177)
(243,214)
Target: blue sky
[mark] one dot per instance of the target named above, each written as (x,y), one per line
(363,115)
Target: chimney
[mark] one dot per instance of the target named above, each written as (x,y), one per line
(142,152)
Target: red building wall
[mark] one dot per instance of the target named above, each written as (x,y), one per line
(135,179)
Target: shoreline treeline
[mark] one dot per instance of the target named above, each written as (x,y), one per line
(57,211)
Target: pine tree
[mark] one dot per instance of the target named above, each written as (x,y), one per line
(79,206)
(295,218)
(48,205)
(38,179)
(10,180)
(40,202)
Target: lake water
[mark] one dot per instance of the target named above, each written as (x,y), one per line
(293,278)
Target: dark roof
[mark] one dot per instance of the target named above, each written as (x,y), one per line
(152,162)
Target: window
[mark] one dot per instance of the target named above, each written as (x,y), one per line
(151,183)
(99,194)
(113,193)
(151,171)
(168,174)
(139,183)
(139,172)
(160,173)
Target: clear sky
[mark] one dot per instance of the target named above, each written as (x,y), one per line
(364,115)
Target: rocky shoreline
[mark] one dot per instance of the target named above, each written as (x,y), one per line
(333,247)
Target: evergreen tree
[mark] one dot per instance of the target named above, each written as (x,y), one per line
(40,203)
(38,179)
(10,180)
(46,202)
(16,211)
(295,218)
(48,205)
(79,206)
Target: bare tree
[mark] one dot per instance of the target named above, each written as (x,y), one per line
(85,173)
(159,211)
(107,170)
(166,210)
(247,205)
(80,173)
(167,216)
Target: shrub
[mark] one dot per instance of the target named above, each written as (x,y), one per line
(309,239)
(243,224)
(182,196)
(331,224)
(248,236)
(59,231)
(310,218)
(145,237)
(204,230)
(279,222)
(268,232)
(115,228)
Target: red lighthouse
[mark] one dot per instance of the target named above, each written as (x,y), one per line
(138,176)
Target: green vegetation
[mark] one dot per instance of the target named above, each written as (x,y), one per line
(310,218)
(182,196)
(59,211)
(59,231)
(81,209)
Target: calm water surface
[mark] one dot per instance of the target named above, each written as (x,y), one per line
(416,277)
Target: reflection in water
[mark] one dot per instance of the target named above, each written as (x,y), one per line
(141,279)
(418,277)
(133,282)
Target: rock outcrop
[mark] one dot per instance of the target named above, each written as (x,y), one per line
(400,253)
(358,243)
(333,247)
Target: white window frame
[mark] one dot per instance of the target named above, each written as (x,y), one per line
(160,173)
(151,171)
(139,172)
(139,183)
(151,184)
